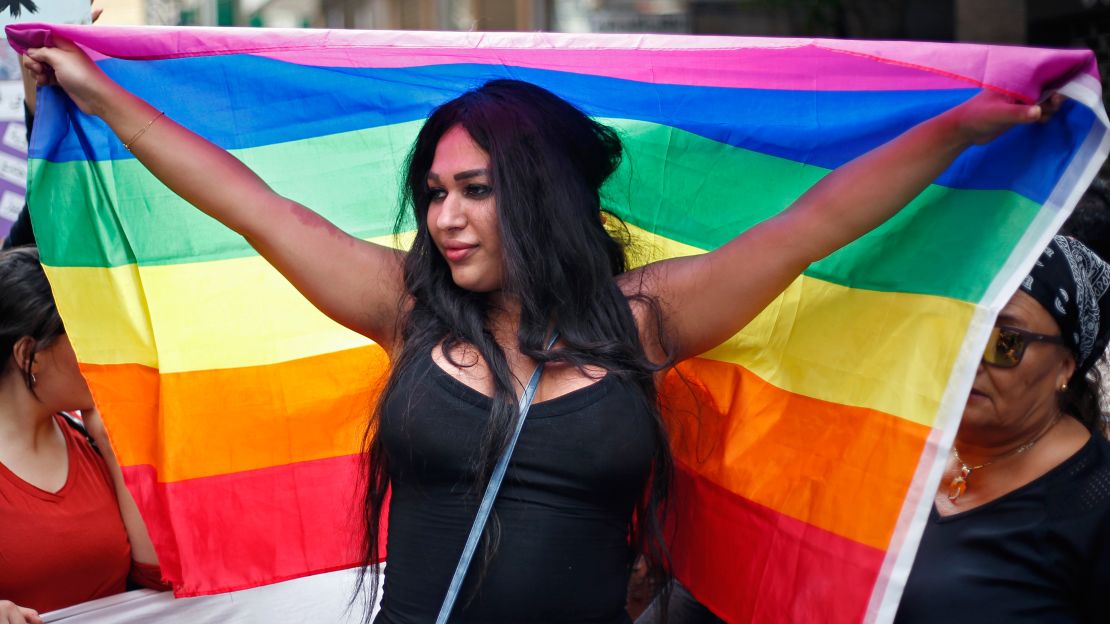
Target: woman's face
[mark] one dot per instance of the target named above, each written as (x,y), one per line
(462,215)
(58,380)
(1008,403)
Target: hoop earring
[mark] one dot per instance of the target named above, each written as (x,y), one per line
(33,380)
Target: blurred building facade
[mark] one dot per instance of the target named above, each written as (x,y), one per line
(520,15)
(127,12)
(1049,22)
(1064,23)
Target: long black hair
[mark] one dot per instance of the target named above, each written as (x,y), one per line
(26,309)
(548,162)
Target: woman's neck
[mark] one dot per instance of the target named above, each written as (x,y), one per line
(504,320)
(977,447)
(974,450)
(24,421)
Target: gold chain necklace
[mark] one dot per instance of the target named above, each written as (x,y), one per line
(958,485)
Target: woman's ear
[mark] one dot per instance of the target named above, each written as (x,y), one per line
(1067,369)
(23,353)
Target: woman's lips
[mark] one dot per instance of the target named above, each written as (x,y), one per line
(457,253)
(975,394)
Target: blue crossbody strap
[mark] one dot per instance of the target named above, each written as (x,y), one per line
(490,495)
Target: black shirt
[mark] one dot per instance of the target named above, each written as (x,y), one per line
(579,467)
(1038,554)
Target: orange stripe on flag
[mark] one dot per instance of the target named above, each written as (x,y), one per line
(840,468)
(205,423)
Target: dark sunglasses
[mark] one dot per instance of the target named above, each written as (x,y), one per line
(1007,345)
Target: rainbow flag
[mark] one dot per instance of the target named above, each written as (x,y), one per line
(808,446)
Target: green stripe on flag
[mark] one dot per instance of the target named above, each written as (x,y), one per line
(684,187)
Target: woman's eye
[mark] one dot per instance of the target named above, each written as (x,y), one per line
(436,194)
(478,191)
(1009,344)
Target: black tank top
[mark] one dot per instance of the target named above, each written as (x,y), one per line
(579,467)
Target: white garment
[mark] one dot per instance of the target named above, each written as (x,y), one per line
(319,598)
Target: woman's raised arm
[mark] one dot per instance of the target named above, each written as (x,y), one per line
(708,298)
(354,282)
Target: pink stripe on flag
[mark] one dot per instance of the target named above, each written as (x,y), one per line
(807,68)
(702,61)
(1026,72)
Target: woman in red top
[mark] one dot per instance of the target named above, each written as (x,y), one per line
(69,531)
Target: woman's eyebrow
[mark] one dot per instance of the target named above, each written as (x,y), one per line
(470,173)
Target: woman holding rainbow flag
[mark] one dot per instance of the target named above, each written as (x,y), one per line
(514,272)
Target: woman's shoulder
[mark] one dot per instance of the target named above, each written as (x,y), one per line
(73,427)
(86,460)
(1093,460)
(1082,485)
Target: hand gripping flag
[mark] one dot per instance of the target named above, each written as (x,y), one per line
(809,446)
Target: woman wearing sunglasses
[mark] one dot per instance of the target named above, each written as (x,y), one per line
(1020,531)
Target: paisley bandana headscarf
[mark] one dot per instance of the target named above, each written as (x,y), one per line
(1073,284)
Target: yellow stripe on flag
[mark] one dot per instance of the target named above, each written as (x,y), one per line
(870,349)
(889,352)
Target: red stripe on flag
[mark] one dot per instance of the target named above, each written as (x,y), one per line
(749,563)
(251,528)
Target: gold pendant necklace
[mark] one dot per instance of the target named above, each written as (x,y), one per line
(958,485)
